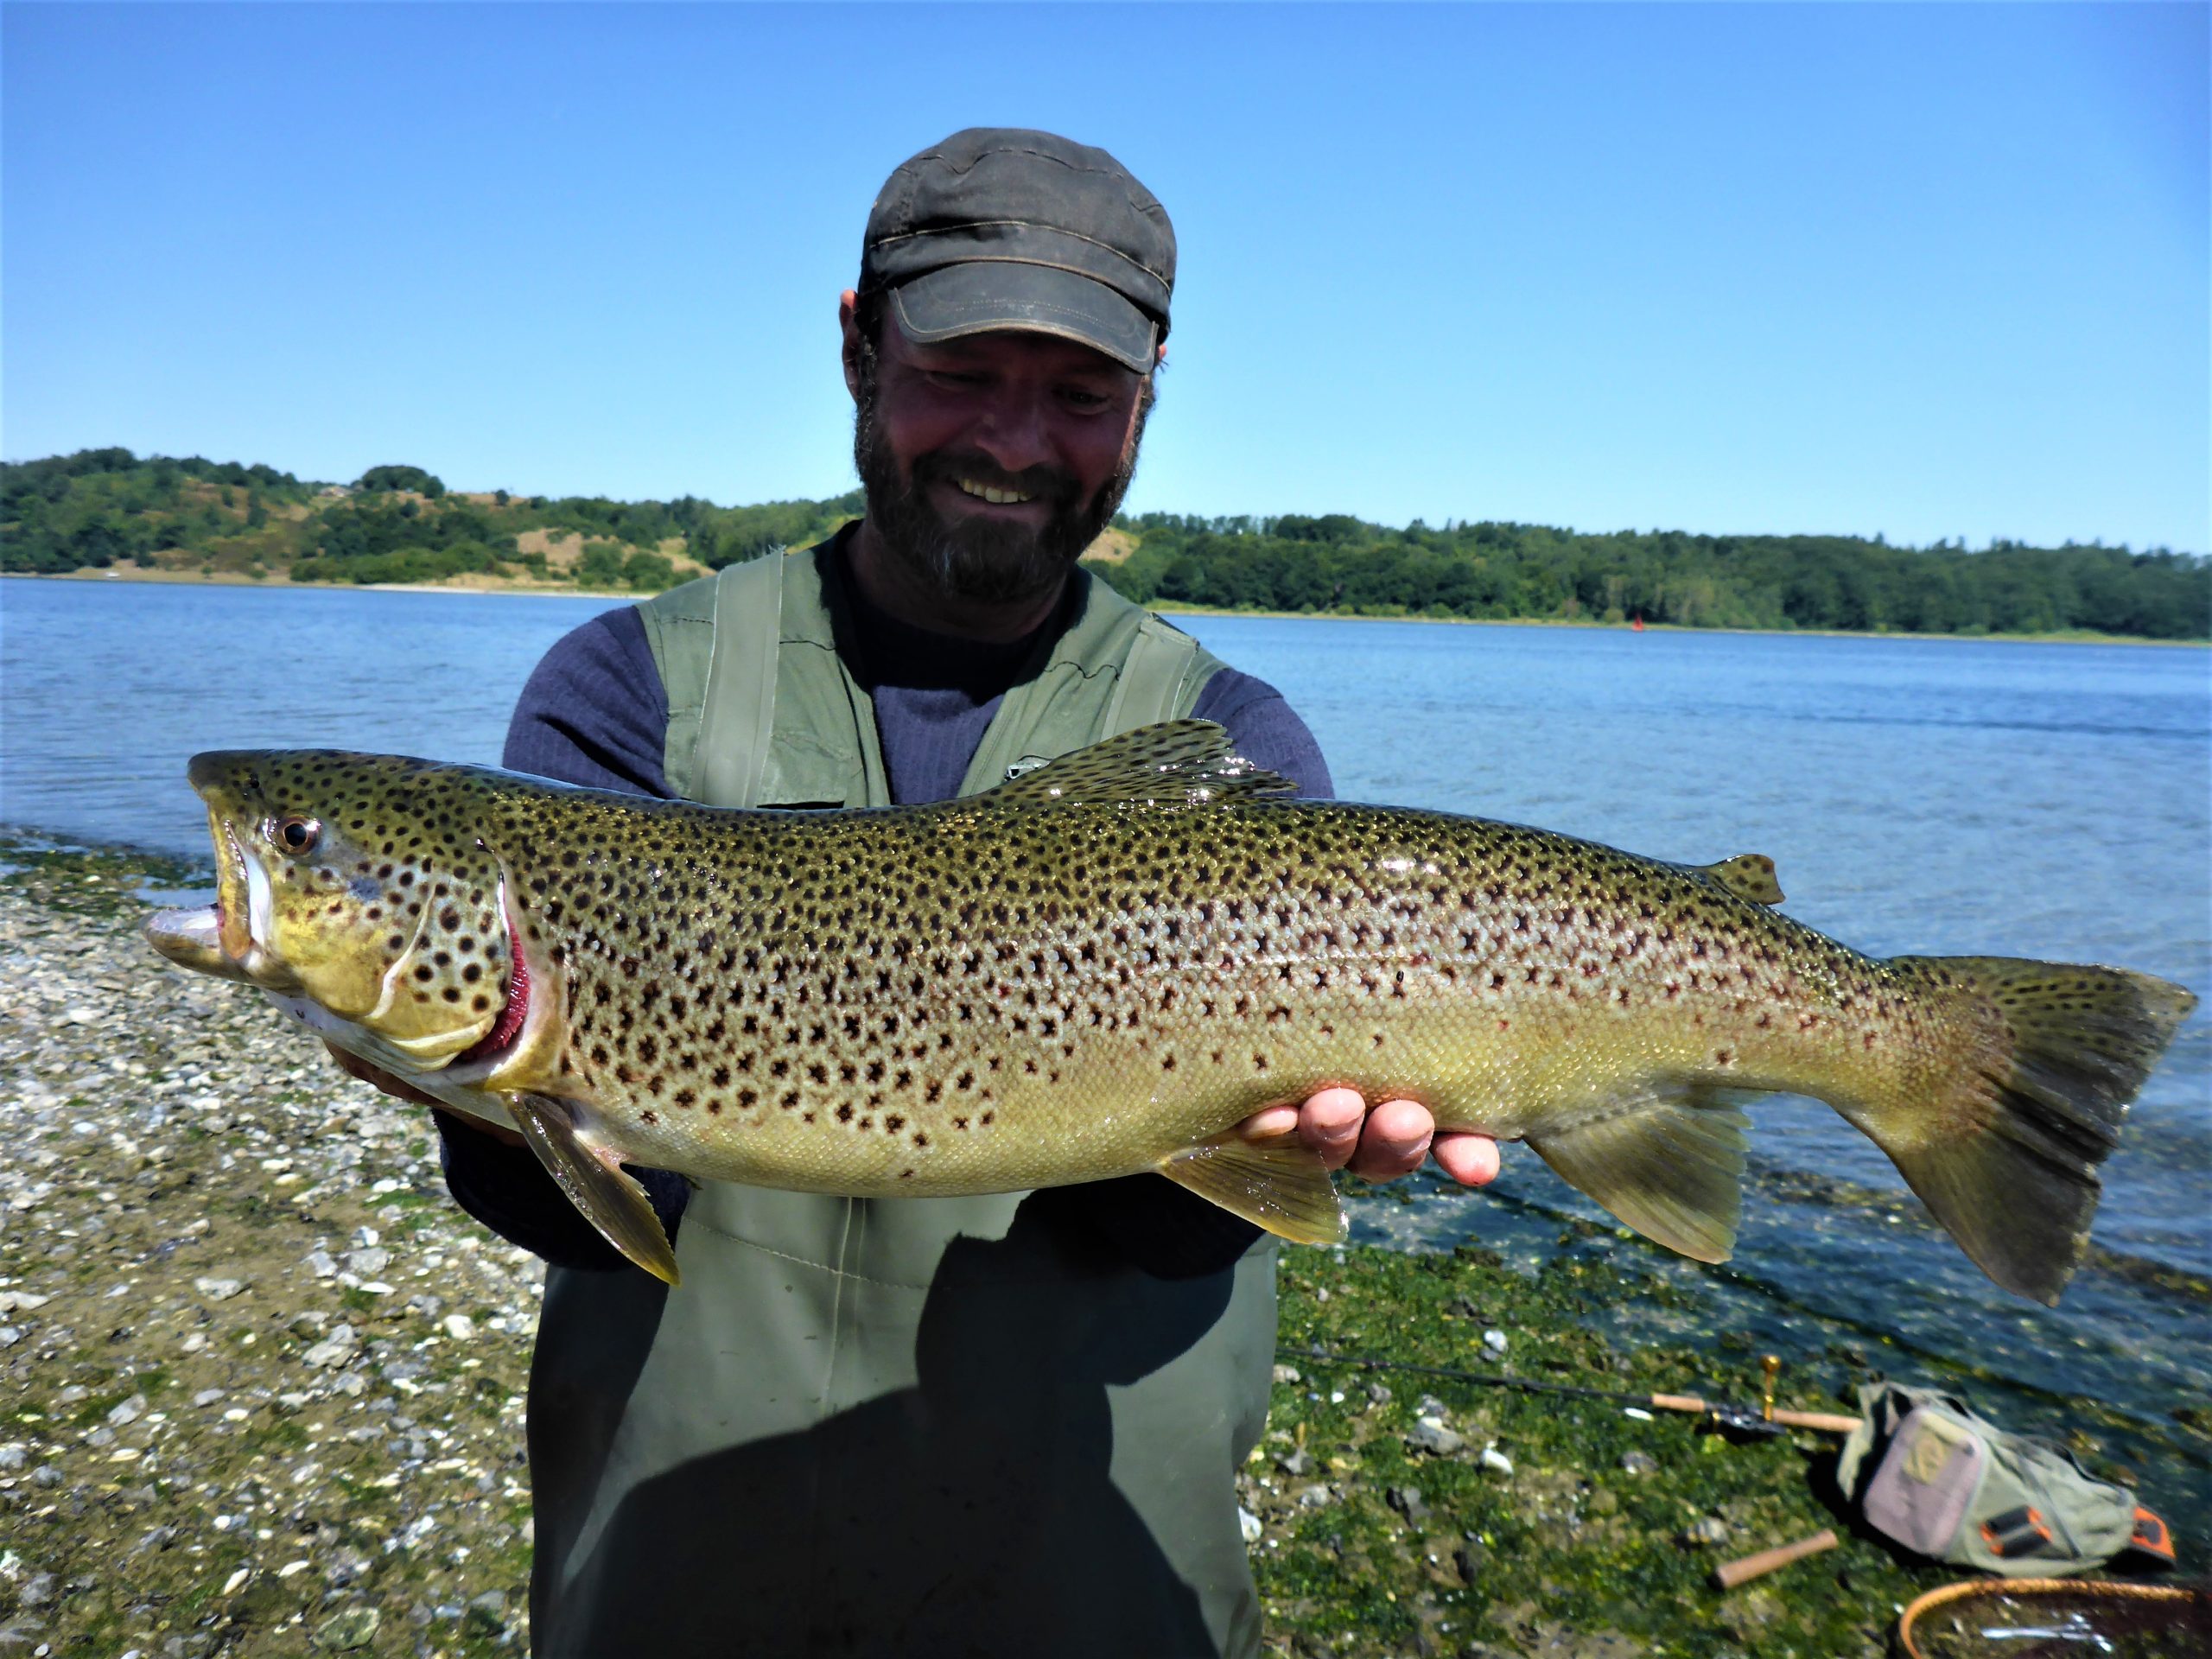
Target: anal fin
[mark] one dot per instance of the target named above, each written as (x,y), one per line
(1281,1185)
(606,1194)
(1666,1161)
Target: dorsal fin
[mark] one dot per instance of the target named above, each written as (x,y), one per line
(1176,763)
(1748,875)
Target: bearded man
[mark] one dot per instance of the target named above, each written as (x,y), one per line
(999,1426)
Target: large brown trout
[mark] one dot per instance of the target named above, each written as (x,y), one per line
(1105,965)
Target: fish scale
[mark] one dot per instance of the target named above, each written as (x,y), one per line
(1106,965)
(846,989)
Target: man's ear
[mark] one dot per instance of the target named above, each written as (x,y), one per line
(849,325)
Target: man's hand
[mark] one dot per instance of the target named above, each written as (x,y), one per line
(354,1066)
(1380,1144)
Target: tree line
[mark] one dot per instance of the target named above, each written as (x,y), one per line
(1503,571)
(396,523)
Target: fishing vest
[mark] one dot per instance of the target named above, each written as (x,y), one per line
(909,1427)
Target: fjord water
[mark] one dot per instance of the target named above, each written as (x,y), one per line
(1918,796)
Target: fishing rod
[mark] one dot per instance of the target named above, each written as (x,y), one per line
(1766,1422)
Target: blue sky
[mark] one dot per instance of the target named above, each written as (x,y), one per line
(1931,271)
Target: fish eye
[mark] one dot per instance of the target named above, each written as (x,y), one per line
(295,834)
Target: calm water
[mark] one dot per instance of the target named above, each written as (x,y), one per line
(1919,797)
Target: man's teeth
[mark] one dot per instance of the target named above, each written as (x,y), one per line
(996,497)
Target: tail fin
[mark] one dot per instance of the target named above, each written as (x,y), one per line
(2066,1049)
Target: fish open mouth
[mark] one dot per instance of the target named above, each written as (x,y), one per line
(193,938)
(217,939)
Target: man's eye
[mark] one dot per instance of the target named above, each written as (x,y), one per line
(1083,397)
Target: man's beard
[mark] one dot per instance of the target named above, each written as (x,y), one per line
(981,556)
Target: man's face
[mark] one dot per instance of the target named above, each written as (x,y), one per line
(990,462)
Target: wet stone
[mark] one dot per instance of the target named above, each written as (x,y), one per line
(335,1350)
(1408,1502)
(1468,1558)
(347,1631)
(1430,1435)
(485,1614)
(1639,1463)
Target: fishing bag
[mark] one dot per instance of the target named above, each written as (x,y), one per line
(1944,1483)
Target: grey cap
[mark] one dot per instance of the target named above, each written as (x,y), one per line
(1000,227)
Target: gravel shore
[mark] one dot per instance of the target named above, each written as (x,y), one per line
(261,1383)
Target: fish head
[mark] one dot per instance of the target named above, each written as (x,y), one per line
(360,884)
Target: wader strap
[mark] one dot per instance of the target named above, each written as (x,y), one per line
(1118,667)
(737,712)
(1154,682)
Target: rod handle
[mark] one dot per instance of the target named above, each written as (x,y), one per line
(1729,1574)
(1827,1422)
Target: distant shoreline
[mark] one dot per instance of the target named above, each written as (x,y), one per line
(1164,607)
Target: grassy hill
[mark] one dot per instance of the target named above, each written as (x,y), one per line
(182,519)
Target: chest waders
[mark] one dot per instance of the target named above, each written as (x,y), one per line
(910,1426)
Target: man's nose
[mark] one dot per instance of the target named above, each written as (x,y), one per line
(1015,430)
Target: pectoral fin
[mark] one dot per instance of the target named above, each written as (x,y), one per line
(1667,1162)
(1281,1185)
(606,1194)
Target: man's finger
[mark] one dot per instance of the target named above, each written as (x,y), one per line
(1330,1123)
(1393,1141)
(1270,1124)
(1469,1159)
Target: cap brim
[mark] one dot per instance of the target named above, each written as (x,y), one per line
(982,296)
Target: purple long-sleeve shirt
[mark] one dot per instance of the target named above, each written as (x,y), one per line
(594,712)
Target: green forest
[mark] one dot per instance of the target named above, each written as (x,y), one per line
(108,509)
(1500,571)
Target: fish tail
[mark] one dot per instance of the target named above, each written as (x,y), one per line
(2008,1161)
